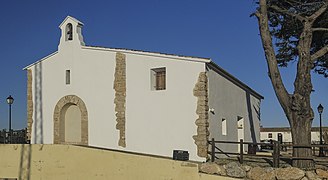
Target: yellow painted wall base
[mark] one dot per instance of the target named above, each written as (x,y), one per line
(68,162)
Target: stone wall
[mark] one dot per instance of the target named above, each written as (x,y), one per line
(255,172)
(200,91)
(120,95)
(29,104)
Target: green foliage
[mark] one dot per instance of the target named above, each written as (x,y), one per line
(286,30)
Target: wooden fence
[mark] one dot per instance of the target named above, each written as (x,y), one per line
(276,147)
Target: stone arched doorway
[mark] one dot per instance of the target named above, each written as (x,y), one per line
(70,121)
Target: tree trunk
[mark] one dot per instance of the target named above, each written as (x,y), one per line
(301,135)
(300,105)
(296,106)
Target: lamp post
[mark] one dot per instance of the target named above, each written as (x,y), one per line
(320,110)
(10,101)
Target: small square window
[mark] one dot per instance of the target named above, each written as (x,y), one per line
(68,76)
(158,79)
(270,135)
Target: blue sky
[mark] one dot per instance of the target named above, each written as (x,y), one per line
(221,30)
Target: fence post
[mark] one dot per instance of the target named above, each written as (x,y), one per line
(213,150)
(241,156)
(313,151)
(276,153)
(274,162)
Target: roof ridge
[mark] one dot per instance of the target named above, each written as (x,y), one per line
(138,50)
(70,17)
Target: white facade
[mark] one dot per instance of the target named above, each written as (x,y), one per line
(157,121)
(272,133)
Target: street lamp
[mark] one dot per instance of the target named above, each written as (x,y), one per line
(10,101)
(320,110)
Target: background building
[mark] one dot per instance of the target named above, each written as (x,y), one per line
(272,133)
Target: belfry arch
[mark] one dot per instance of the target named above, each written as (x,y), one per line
(70,121)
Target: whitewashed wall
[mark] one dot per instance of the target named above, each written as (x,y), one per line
(160,121)
(157,122)
(231,102)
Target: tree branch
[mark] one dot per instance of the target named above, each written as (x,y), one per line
(315,15)
(291,2)
(319,53)
(274,72)
(319,29)
(284,11)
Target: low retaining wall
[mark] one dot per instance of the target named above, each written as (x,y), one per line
(237,170)
(75,162)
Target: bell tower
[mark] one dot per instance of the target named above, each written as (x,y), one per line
(71,33)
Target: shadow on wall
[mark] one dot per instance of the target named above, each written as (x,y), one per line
(250,116)
(25,162)
(38,116)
